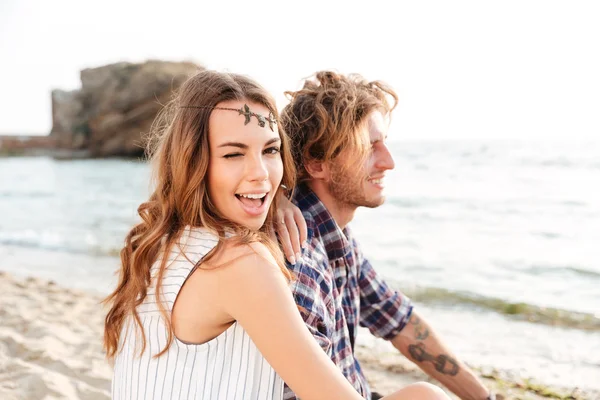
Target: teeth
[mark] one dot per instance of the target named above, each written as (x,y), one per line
(253,196)
(377,181)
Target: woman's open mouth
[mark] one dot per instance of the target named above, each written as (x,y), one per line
(253,203)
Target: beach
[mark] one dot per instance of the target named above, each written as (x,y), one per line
(494,242)
(51,348)
(50,342)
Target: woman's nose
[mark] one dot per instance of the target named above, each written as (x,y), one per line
(257,170)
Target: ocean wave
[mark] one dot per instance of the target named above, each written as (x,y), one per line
(583,272)
(405,203)
(16,194)
(555,269)
(548,235)
(415,202)
(544,270)
(572,203)
(560,162)
(91,250)
(522,311)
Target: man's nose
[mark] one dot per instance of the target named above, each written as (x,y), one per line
(385,160)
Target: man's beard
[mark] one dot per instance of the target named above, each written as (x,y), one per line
(347,188)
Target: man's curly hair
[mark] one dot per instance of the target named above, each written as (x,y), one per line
(323,117)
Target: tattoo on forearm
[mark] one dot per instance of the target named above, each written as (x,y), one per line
(421,331)
(443,364)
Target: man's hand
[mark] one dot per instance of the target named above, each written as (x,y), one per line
(290,227)
(420,344)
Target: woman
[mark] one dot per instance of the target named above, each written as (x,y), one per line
(202,309)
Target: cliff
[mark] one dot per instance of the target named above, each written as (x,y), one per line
(111,112)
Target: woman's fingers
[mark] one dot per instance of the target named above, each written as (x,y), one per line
(301,224)
(291,229)
(294,234)
(284,236)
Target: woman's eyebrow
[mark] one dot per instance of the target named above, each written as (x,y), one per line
(274,140)
(234,144)
(245,146)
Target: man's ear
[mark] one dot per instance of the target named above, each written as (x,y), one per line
(317,170)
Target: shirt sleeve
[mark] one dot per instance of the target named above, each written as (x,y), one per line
(312,294)
(383,311)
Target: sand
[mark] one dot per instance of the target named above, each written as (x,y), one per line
(51,348)
(50,342)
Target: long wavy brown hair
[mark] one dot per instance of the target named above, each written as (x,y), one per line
(323,117)
(178,148)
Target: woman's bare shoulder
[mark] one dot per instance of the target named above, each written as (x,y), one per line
(235,255)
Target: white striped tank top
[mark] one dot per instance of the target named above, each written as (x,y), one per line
(227,367)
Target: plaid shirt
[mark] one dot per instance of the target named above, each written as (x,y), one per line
(338,289)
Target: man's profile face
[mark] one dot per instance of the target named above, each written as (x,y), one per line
(359,181)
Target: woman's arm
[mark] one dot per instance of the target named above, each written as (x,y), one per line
(254,292)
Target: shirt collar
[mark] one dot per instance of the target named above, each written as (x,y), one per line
(336,241)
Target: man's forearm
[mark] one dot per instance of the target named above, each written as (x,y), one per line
(420,344)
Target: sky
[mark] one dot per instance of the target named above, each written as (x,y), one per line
(478,69)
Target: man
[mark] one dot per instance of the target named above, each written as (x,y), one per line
(338,127)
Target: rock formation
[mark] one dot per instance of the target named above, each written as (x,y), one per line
(115,106)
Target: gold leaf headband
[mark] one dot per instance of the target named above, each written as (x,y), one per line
(245,111)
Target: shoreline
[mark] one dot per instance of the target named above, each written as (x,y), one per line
(424,295)
(51,347)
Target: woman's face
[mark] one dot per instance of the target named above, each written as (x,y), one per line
(245,166)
